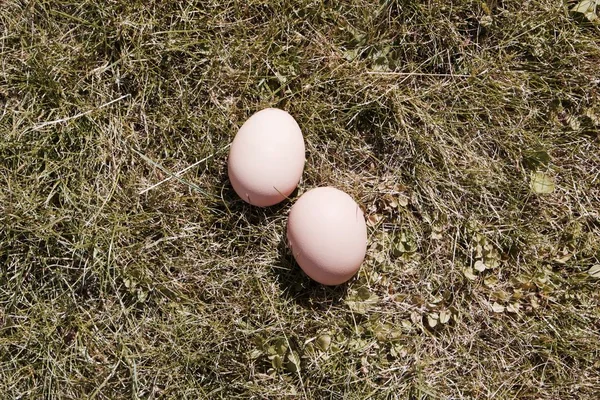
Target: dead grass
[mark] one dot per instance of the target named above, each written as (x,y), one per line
(434,115)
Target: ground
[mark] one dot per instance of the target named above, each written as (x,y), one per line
(468,132)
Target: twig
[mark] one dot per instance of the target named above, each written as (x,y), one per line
(166,171)
(58,121)
(178,174)
(108,378)
(418,74)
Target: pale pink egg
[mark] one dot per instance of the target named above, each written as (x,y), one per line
(266,158)
(327,233)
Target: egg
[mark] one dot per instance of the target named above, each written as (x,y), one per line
(266,158)
(327,234)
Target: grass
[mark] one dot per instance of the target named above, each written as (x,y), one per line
(435,116)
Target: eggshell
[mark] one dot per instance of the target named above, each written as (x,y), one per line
(327,233)
(266,157)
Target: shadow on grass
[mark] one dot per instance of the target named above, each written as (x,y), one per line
(298,287)
(294,283)
(234,207)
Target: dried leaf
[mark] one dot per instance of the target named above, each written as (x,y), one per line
(584,6)
(142,295)
(595,271)
(374,219)
(254,354)
(479,265)
(492,262)
(398,350)
(497,308)
(391,201)
(501,295)
(588,9)
(402,200)
(281,347)
(415,318)
(394,334)
(282,79)
(129,283)
(486,8)
(513,308)
(445,316)
(436,235)
(490,281)
(542,183)
(479,251)
(534,303)
(468,272)
(563,259)
(432,319)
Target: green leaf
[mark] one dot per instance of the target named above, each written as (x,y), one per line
(536,158)
(362,300)
(281,347)
(293,362)
(595,271)
(351,55)
(398,350)
(276,361)
(541,183)
(323,342)
(364,293)
(361,307)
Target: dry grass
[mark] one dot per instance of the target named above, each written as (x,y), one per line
(434,115)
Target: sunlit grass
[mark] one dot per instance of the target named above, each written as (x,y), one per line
(444,120)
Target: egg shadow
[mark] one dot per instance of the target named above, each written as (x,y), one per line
(231,205)
(296,286)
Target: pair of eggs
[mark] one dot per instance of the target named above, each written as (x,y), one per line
(326,229)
